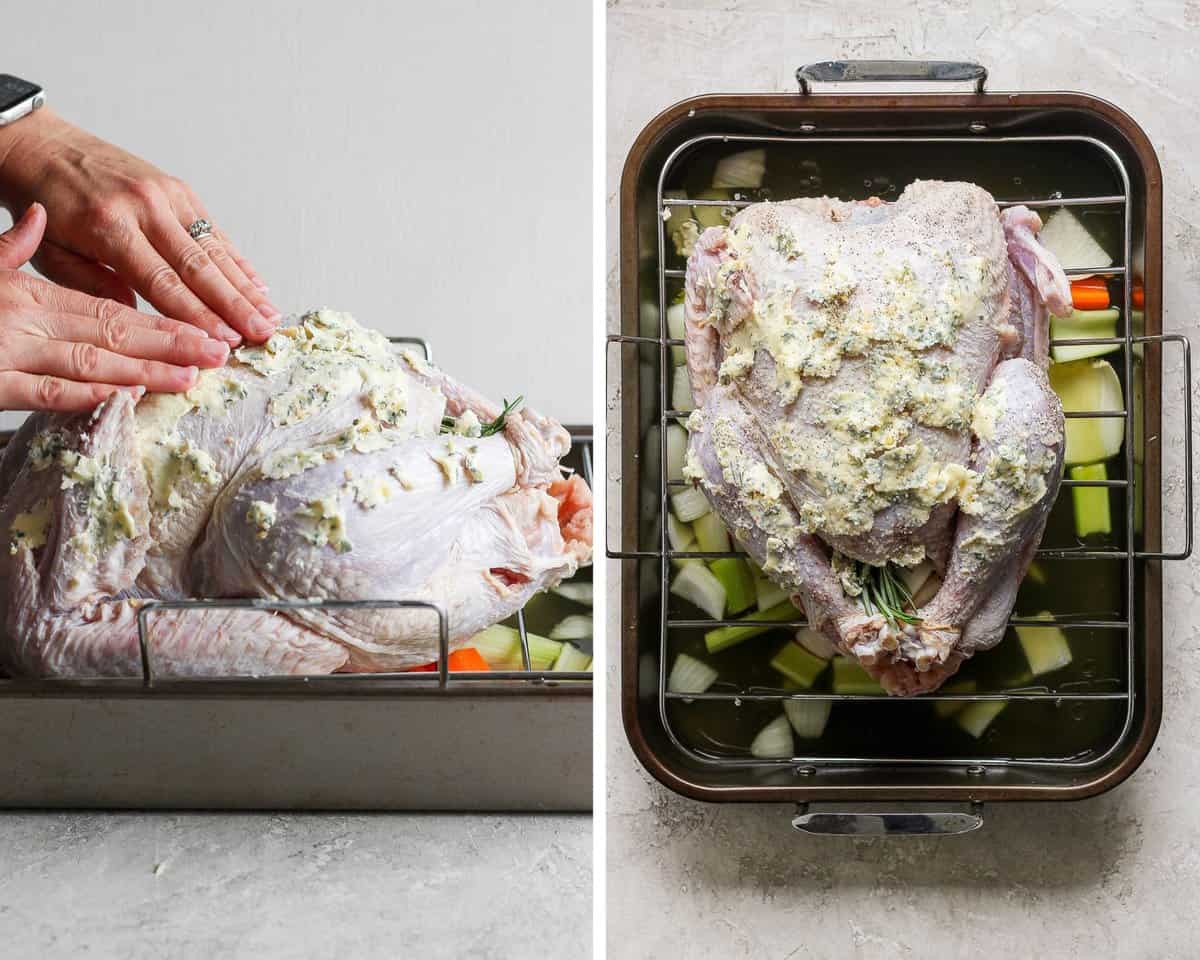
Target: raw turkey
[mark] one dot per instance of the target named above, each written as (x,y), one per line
(321,464)
(872,396)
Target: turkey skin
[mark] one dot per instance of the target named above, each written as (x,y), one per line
(871,395)
(320,464)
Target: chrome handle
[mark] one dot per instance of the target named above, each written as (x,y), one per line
(888,823)
(425,345)
(933,72)
(1183,341)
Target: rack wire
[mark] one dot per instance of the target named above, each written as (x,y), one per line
(441,680)
(1128,556)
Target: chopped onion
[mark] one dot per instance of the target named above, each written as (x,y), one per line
(677,443)
(578,592)
(680,535)
(745,169)
(773,741)
(1067,238)
(816,643)
(690,675)
(697,585)
(578,626)
(681,391)
(807,717)
(676,329)
(1089,385)
(690,504)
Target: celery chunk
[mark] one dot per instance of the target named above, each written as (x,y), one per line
(722,638)
(1092,512)
(738,582)
(798,665)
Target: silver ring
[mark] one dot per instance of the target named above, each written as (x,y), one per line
(200,228)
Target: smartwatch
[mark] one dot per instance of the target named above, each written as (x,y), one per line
(18,98)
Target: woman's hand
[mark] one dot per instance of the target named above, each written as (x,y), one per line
(118,224)
(63,350)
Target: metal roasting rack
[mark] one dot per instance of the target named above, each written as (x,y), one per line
(441,680)
(1129,556)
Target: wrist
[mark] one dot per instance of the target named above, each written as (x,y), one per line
(19,141)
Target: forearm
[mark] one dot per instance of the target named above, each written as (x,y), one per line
(31,137)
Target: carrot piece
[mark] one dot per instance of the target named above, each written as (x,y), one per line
(466,660)
(1089,296)
(1139,297)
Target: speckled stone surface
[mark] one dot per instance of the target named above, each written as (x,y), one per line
(153,885)
(1118,876)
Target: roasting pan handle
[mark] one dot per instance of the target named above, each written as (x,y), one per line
(837,72)
(895,821)
(1162,339)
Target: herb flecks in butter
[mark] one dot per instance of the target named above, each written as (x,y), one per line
(261,516)
(363,436)
(30,529)
(370,491)
(176,462)
(326,358)
(324,523)
(45,447)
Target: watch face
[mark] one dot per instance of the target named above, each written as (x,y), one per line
(14,90)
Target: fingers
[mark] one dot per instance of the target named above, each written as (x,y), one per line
(18,243)
(255,295)
(206,278)
(183,346)
(85,362)
(240,260)
(56,299)
(63,266)
(27,391)
(159,283)
(191,202)
(211,273)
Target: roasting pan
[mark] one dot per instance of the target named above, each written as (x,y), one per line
(854,130)
(519,741)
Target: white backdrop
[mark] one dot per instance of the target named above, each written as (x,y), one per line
(426,167)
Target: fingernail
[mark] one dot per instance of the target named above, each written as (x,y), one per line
(230,335)
(217,350)
(136,392)
(187,376)
(258,283)
(268,311)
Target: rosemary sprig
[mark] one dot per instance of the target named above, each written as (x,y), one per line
(884,592)
(495,426)
(449,424)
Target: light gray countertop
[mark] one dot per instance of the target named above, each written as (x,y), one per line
(197,885)
(1118,875)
